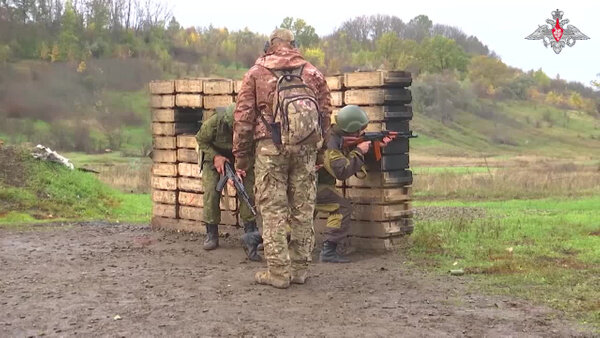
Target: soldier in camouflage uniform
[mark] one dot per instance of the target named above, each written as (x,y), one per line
(215,142)
(285,186)
(340,163)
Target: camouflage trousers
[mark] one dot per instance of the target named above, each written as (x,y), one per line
(340,212)
(285,190)
(212,198)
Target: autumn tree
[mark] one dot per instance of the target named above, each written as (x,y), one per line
(303,33)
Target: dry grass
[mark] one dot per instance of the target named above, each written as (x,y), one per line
(127,177)
(513,180)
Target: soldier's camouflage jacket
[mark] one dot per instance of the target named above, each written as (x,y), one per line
(340,163)
(257,93)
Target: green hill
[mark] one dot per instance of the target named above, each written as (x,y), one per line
(32,191)
(511,128)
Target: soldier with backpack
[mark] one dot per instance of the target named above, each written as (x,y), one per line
(282,114)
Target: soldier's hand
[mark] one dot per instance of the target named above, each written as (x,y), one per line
(386,140)
(219,163)
(240,173)
(364,146)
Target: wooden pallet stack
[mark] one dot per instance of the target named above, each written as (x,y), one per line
(178,107)
(381,202)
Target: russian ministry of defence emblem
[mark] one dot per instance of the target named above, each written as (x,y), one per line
(557,35)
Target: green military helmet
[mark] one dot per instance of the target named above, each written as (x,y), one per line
(227,113)
(351,119)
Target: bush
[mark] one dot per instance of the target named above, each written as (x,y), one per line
(440,96)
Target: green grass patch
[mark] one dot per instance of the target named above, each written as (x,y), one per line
(546,250)
(48,191)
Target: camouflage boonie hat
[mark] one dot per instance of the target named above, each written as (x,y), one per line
(283,34)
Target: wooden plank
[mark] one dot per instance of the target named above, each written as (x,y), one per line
(188,170)
(218,86)
(163,115)
(207,114)
(392,125)
(166,129)
(164,210)
(382,229)
(237,85)
(381,113)
(189,100)
(189,184)
(164,169)
(162,101)
(380,212)
(187,141)
(401,226)
(197,200)
(335,82)
(378,195)
(164,196)
(196,214)
(382,179)
(187,155)
(164,142)
(393,162)
(378,79)
(380,96)
(190,199)
(215,101)
(188,85)
(164,156)
(163,183)
(162,87)
(337,99)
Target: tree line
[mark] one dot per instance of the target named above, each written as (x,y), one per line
(107,45)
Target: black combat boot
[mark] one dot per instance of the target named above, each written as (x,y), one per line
(211,241)
(250,241)
(330,255)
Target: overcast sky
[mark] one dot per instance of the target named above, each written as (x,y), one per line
(501,25)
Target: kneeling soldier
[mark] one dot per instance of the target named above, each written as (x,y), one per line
(340,163)
(215,140)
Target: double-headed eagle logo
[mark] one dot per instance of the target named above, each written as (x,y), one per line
(555,35)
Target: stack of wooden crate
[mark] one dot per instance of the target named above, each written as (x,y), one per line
(381,202)
(178,107)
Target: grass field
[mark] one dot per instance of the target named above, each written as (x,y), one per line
(547,250)
(526,226)
(31,190)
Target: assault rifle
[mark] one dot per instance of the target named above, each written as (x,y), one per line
(376,138)
(237,183)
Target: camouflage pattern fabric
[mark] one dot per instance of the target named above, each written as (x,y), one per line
(285,191)
(211,198)
(340,212)
(339,164)
(257,93)
(215,138)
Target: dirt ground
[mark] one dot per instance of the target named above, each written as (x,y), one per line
(125,280)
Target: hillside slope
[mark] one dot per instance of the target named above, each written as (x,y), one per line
(510,128)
